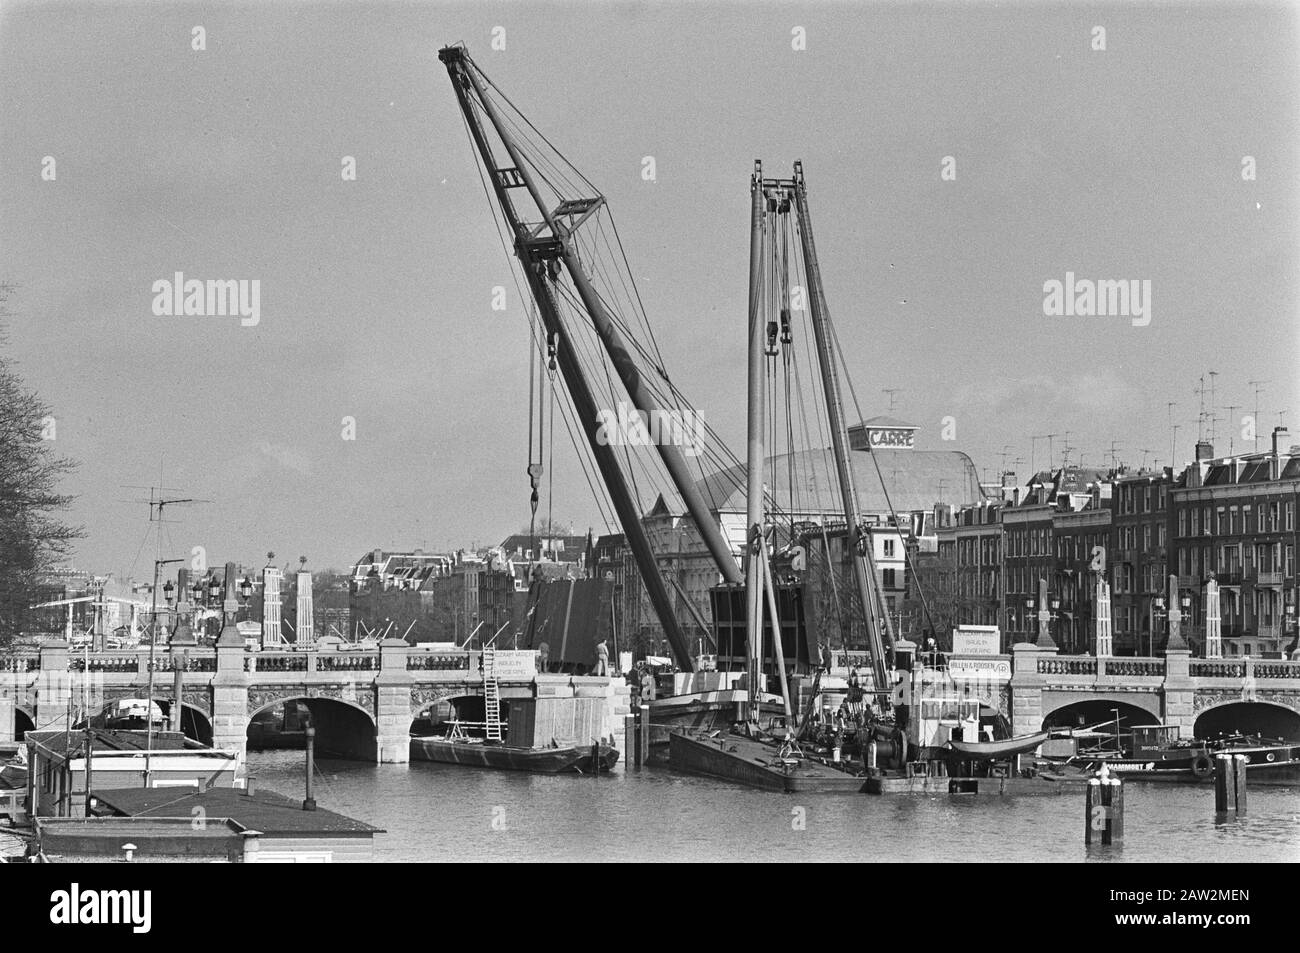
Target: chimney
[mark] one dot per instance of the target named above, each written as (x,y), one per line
(1280,438)
(1204,450)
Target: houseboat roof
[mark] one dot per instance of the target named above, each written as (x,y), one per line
(264,811)
(108,739)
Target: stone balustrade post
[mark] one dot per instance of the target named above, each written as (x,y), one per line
(392,687)
(230,694)
(1179,691)
(1027,687)
(53,687)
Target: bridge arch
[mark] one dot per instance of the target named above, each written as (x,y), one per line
(343,728)
(195,722)
(466,706)
(23,722)
(1085,709)
(1265,718)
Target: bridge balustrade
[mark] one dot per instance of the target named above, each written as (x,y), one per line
(190,663)
(276,662)
(20,664)
(438,662)
(1137,667)
(1218,668)
(347,662)
(1277,670)
(1082,665)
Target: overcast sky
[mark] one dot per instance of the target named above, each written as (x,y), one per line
(1125,163)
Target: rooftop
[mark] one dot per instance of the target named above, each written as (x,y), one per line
(264,811)
(114,740)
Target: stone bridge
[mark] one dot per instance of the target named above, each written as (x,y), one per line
(1175,689)
(363,701)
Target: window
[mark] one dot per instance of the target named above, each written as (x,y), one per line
(889,549)
(1182,523)
(889,579)
(1196,522)
(1290,515)
(1290,560)
(1207,526)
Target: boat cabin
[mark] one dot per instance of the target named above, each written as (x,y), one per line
(1153,738)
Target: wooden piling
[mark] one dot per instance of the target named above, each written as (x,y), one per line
(1104,812)
(629,740)
(1230,784)
(644,735)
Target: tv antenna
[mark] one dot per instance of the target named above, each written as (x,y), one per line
(891,391)
(1259,388)
(1231,409)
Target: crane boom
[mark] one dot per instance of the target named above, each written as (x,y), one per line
(542,249)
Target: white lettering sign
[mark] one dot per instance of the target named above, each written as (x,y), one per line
(987,669)
(976,640)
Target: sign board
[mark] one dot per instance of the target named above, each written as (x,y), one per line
(980,669)
(882,438)
(515,665)
(976,640)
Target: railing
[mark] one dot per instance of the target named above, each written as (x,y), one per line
(1217,668)
(1277,670)
(347,662)
(1067,666)
(189,663)
(1135,666)
(275,662)
(20,664)
(120,664)
(1268,579)
(437,662)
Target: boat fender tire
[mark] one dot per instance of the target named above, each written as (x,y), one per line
(1202,766)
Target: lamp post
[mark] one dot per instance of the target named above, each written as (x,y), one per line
(1157,615)
(153,639)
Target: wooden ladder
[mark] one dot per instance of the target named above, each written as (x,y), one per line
(491,697)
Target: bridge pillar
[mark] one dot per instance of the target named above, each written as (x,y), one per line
(1026,688)
(230,697)
(1179,691)
(393,703)
(8,712)
(53,688)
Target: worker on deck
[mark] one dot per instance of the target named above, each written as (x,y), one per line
(853,702)
(647,685)
(602,659)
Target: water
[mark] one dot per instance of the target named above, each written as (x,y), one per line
(445,813)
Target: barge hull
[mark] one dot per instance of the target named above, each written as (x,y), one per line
(576,759)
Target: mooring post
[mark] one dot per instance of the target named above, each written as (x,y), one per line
(643,736)
(629,739)
(1230,783)
(1104,811)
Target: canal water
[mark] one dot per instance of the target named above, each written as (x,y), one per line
(444,813)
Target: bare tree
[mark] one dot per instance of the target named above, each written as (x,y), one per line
(32,536)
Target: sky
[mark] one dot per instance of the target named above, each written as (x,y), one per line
(1127,162)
